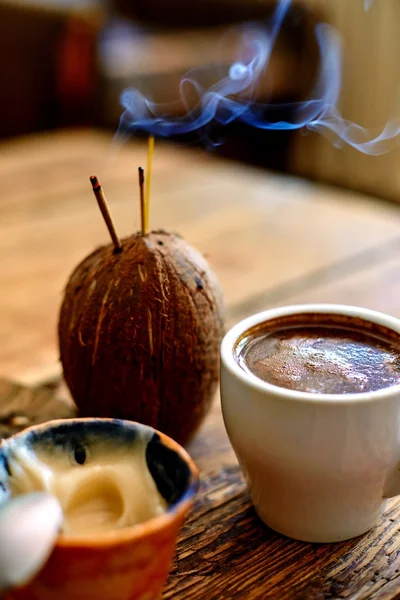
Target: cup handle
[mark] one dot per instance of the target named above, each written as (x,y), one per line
(392,484)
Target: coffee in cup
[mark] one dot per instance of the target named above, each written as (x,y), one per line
(322,353)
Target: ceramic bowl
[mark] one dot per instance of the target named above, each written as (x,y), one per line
(126,563)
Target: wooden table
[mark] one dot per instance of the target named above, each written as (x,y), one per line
(272,240)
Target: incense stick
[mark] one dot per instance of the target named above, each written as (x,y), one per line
(103,205)
(150,152)
(142,202)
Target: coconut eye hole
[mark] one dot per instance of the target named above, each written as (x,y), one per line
(80,454)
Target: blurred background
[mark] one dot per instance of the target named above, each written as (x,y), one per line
(64,63)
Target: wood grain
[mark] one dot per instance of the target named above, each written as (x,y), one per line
(272,241)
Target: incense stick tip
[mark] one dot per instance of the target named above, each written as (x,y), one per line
(94,181)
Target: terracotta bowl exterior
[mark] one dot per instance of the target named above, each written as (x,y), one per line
(127,564)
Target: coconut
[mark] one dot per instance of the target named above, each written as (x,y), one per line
(139,333)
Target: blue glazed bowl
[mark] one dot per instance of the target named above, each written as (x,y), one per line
(119,466)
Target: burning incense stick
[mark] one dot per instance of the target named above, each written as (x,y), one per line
(150,152)
(143,215)
(103,205)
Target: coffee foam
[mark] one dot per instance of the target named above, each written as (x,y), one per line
(322,354)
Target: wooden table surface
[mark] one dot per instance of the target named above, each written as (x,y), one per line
(272,240)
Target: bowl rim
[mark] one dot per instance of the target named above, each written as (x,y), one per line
(140,530)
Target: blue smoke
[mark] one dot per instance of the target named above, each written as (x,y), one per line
(230,99)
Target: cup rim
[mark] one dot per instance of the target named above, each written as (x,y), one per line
(140,530)
(231,337)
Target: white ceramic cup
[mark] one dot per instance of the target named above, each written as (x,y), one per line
(318,466)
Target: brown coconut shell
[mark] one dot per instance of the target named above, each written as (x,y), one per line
(139,334)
